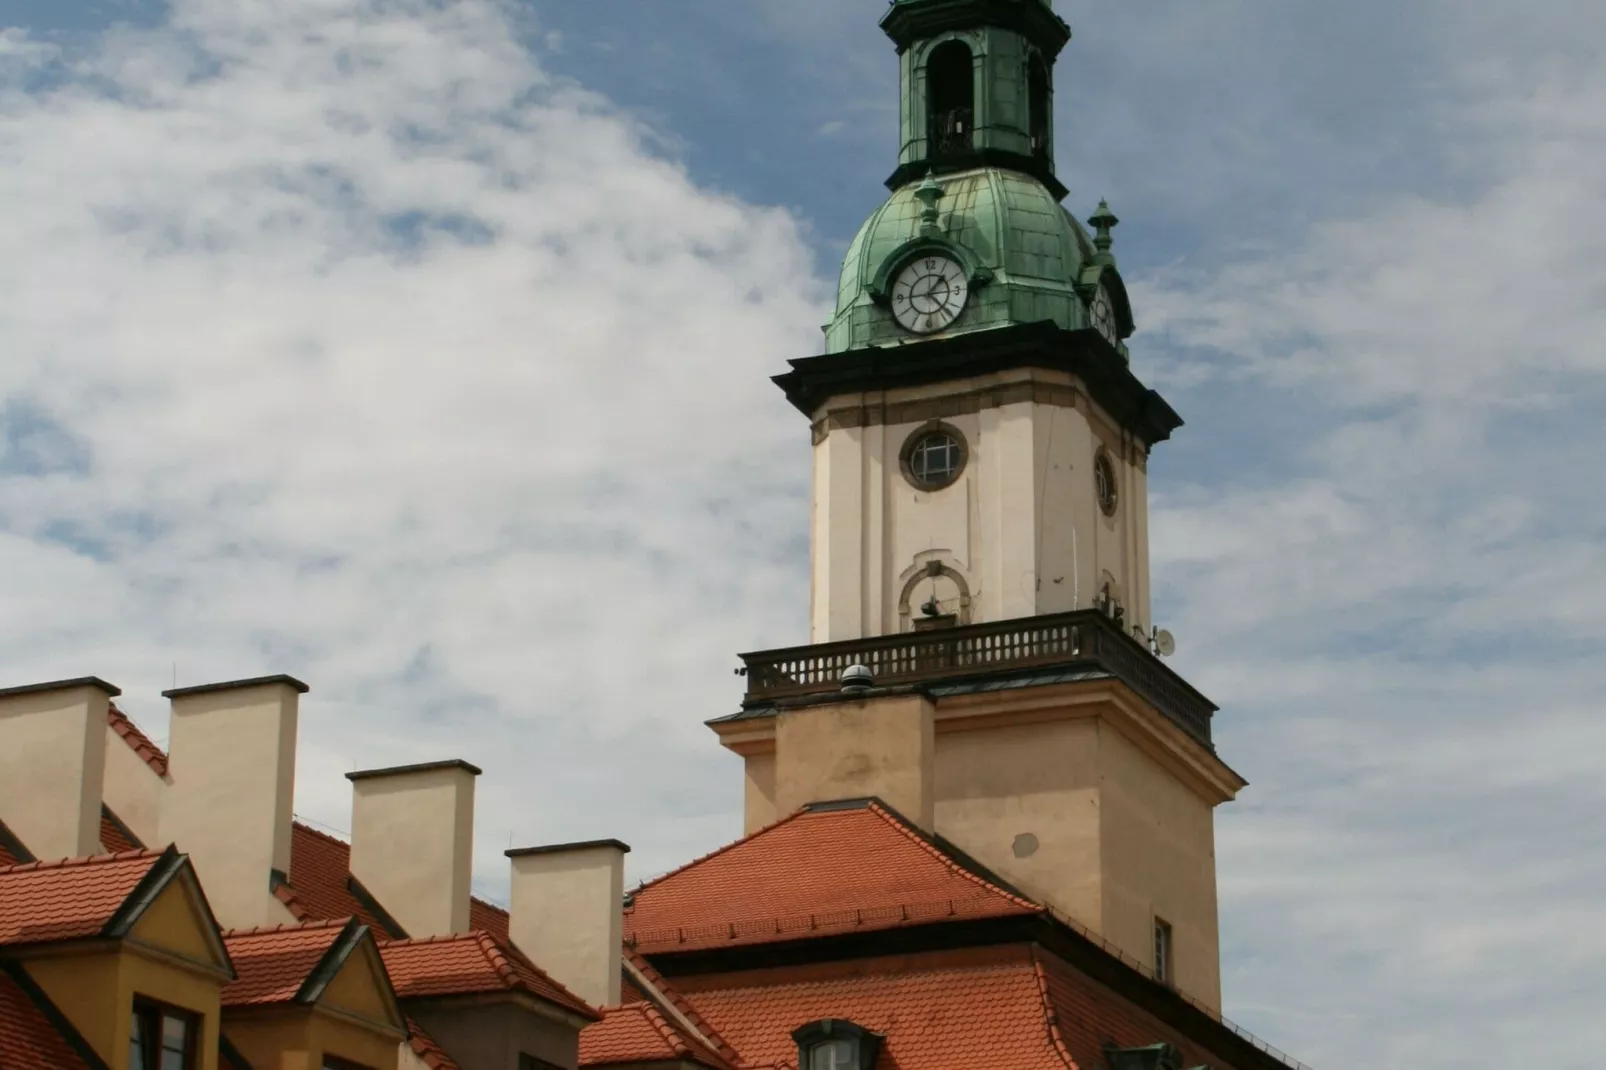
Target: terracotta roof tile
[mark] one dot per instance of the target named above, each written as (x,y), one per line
(137,741)
(1088,1016)
(468,963)
(629,991)
(115,836)
(816,872)
(320,869)
(271,965)
(946,1010)
(28,1037)
(69,899)
(427,1050)
(640,1033)
(488,918)
(654,988)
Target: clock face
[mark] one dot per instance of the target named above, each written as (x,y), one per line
(1102,313)
(929,294)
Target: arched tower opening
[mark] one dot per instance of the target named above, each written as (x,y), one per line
(951,100)
(1039,102)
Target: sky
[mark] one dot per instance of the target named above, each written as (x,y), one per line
(421,350)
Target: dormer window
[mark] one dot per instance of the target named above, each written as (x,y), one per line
(161,1038)
(836,1044)
(833,1055)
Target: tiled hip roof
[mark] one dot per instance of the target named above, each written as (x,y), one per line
(814,873)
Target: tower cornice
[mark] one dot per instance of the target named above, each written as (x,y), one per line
(813,381)
(910,21)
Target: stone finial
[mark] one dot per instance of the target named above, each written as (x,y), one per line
(928,194)
(1103,221)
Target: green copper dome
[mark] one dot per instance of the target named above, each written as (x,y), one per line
(1029,260)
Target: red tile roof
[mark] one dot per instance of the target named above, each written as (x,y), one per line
(320,869)
(629,991)
(28,1036)
(137,741)
(640,1033)
(945,1010)
(272,965)
(468,963)
(65,900)
(1088,1016)
(817,872)
(488,918)
(114,835)
(427,1050)
(654,988)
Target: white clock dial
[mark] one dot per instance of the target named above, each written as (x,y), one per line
(929,294)
(1102,314)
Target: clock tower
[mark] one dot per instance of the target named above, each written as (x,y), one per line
(980,444)
(983,657)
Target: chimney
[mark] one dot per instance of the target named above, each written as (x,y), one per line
(232,761)
(412,843)
(568,914)
(857,744)
(52,759)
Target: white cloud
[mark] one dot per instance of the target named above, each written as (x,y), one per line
(342,340)
(1400,604)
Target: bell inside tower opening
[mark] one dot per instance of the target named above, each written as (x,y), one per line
(952,93)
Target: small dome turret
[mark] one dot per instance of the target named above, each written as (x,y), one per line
(1029,260)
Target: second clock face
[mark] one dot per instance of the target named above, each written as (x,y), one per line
(929,294)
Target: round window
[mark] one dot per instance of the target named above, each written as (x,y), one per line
(1104,482)
(933,457)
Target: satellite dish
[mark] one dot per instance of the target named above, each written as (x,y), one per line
(1165,644)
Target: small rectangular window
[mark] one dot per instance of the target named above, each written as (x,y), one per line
(1163,963)
(161,1037)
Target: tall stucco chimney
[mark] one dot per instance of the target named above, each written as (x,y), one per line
(412,843)
(52,760)
(568,914)
(232,761)
(851,746)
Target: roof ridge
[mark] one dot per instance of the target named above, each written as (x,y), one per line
(131,734)
(670,1035)
(303,926)
(510,954)
(755,834)
(897,821)
(442,938)
(1050,1015)
(657,983)
(487,904)
(321,834)
(81,860)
